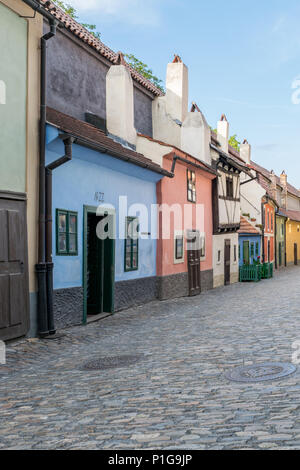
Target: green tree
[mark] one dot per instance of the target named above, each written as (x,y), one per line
(144,70)
(232,140)
(137,64)
(67,7)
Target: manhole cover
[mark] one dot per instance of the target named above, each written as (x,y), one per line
(261,372)
(111,362)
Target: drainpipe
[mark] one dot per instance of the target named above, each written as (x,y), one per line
(41,267)
(68,141)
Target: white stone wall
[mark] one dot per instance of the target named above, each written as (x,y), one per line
(152,150)
(219,266)
(251,198)
(229,211)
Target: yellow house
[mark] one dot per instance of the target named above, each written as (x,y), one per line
(293,237)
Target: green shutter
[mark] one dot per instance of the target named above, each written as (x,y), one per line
(66,233)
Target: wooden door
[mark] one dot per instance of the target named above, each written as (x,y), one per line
(246,253)
(295,254)
(194,263)
(95,268)
(227,249)
(14,291)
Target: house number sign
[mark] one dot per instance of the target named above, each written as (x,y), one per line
(99,197)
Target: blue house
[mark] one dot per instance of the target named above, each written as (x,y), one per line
(249,243)
(99,184)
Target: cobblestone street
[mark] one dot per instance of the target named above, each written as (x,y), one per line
(176,394)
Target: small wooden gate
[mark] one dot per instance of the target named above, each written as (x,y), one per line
(194,263)
(227,262)
(14,291)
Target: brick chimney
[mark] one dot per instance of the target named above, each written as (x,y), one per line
(119,102)
(223,133)
(283,182)
(177,89)
(273,185)
(245,152)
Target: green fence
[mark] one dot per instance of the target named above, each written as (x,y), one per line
(250,273)
(267,271)
(256,272)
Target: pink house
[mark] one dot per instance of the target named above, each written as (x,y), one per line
(184,247)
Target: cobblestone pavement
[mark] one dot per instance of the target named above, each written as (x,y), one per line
(176,395)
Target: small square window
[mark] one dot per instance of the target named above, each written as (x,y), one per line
(132,244)
(179,247)
(191,186)
(66,233)
(229,187)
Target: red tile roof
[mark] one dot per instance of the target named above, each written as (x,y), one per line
(267,174)
(84,35)
(293,215)
(94,136)
(205,166)
(247,228)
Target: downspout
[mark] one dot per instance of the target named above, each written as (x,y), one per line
(276,250)
(68,141)
(41,267)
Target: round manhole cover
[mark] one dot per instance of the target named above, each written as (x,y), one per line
(113,362)
(261,372)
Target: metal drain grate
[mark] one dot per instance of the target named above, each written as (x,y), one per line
(261,372)
(113,362)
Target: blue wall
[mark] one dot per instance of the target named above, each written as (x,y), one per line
(75,185)
(251,239)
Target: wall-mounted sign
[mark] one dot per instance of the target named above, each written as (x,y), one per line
(99,197)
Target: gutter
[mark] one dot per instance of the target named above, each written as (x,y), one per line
(99,148)
(196,165)
(38,8)
(68,141)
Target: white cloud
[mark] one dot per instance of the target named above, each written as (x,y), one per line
(137,12)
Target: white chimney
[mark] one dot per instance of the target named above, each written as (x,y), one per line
(177,89)
(284,193)
(245,152)
(119,102)
(223,133)
(196,135)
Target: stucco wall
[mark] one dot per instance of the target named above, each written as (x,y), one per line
(13,75)
(251,196)
(75,185)
(169,194)
(218,266)
(292,237)
(25,161)
(77,83)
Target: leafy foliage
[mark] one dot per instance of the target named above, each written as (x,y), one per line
(137,64)
(144,70)
(67,7)
(234,142)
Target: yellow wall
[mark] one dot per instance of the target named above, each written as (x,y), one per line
(35,30)
(292,237)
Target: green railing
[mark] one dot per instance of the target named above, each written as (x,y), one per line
(250,273)
(267,271)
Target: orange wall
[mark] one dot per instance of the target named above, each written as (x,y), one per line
(269,231)
(174,191)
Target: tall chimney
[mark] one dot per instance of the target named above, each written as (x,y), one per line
(245,152)
(119,102)
(177,89)
(223,133)
(273,185)
(283,182)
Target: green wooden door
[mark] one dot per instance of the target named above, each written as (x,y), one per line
(246,254)
(98,267)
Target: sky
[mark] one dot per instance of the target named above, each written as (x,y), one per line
(243,60)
